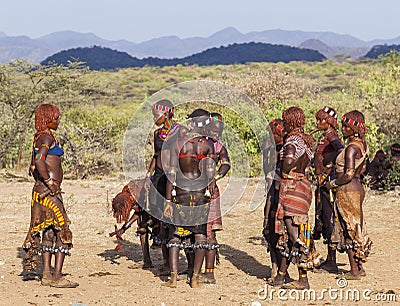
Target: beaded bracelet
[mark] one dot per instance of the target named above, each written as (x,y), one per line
(168,202)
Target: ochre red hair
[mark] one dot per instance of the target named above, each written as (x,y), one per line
(277,128)
(295,118)
(44,114)
(323,115)
(359,118)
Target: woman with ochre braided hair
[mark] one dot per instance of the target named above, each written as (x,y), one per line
(328,147)
(272,172)
(156,180)
(350,233)
(48,215)
(295,196)
(214,131)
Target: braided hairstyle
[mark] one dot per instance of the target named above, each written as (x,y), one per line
(295,118)
(277,127)
(44,114)
(127,199)
(326,113)
(358,127)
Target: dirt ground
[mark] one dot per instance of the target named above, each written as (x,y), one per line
(107,277)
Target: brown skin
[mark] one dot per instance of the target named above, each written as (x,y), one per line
(320,160)
(162,159)
(214,131)
(50,167)
(353,184)
(289,164)
(189,168)
(159,117)
(276,257)
(320,169)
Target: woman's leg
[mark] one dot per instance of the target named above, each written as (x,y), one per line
(59,262)
(58,280)
(354,265)
(173,264)
(198,259)
(144,242)
(293,232)
(47,242)
(210,255)
(164,250)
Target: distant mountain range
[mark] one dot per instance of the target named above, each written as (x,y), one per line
(173,46)
(97,58)
(379,50)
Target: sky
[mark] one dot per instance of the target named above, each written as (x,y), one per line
(139,20)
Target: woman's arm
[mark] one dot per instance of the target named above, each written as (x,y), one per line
(171,179)
(225,164)
(351,152)
(288,163)
(44,143)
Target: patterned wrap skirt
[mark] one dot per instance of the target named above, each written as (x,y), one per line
(47,213)
(214,216)
(295,197)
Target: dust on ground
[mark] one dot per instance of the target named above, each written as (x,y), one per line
(107,277)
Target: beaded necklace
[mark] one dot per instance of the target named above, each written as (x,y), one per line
(167,128)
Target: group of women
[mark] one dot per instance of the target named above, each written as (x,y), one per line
(183,208)
(339,195)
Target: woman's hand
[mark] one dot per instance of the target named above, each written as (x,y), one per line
(31,170)
(168,210)
(211,186)
(54,189)
(147,183)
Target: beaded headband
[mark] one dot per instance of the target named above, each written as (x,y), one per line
(353,122)
(163,108)
(277,125)
(217,118)
(202,123)
(395,149)
(330,112)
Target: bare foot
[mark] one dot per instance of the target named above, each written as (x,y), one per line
(63,283)
(172,280)
(47,278)
(298,285)
(195,281)
(329,266)
(207,278)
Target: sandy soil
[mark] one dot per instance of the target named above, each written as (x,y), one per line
(107,277)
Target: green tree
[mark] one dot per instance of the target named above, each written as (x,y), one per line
(23,86)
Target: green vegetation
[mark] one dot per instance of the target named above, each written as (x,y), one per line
(98,58)
(97,106)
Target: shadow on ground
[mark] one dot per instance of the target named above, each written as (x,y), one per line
(245,262)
